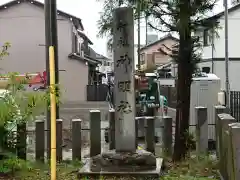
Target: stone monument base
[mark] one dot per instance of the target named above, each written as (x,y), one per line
(120,164)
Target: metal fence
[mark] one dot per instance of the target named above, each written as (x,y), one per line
(235,104)
(97,92)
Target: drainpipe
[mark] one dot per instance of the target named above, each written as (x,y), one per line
(213,50)
(139,35)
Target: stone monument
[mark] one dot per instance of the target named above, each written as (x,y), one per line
(125,159)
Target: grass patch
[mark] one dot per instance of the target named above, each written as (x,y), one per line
(201,168)
(13,168)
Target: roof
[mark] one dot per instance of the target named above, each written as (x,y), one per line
(83,35)
(86,58)
(76,20)
(217,16)
(168,36)
(206,78)
(100,56)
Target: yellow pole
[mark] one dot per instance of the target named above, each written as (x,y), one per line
(53,112)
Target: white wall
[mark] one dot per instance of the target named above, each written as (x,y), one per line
(219,70)
(219,51)
(233,38)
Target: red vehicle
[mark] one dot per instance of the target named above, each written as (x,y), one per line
(38,80)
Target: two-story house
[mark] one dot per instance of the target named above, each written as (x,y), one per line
(23,25)
(213,51)
(154,54)
(106,64)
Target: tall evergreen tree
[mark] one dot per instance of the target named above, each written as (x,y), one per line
(183,17)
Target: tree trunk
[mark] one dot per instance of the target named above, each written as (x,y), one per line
(183,86)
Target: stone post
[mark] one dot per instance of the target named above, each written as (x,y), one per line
(21,141)
(201,130)
(136,130)
(225,120)
(150,134)
(95,132)
(40,140)
(167,135)
(124,93)
(218,110)
(235,144)
(76,139)
(229,157)
(111,129)
(59,152)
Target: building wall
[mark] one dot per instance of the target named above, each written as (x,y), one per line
(218,51)
(219,42)
(23,26)
(157,56)
(219,70)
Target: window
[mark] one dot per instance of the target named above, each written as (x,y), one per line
(142,59)
(105,63)
(74,43)
(79,48)
(207,37)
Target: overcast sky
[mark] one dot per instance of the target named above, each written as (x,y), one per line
(88,11)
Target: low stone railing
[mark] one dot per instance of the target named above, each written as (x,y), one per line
(228,144)
(227,135)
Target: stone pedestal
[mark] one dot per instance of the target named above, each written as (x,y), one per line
(114,164)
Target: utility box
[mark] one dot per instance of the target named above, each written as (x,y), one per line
(204,92)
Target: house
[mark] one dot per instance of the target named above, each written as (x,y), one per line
(23,25)
(213,51)
(154,53)
(106,64)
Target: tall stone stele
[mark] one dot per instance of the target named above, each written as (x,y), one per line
(123,49)
(125,158)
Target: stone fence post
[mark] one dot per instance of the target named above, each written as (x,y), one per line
(59,138)
(167,135)
(218,110)
(234,157)
(95,132)
(150,134)
(111,132)
(224,121)
(40,140)
(201,130)
(21,140)
(76,139)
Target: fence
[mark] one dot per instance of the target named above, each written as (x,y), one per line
(228,144)
(171,94)
(97,92)
(75,137)
(235,104)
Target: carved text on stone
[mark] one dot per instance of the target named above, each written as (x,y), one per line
(124,86)
(124,107)
(125,61)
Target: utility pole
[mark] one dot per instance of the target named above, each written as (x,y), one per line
(51,39)
(146,20)
(47,6)
(227,86)
(54,42)
(139,35)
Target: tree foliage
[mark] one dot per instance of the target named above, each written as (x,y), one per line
(19,106)
(183,17)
